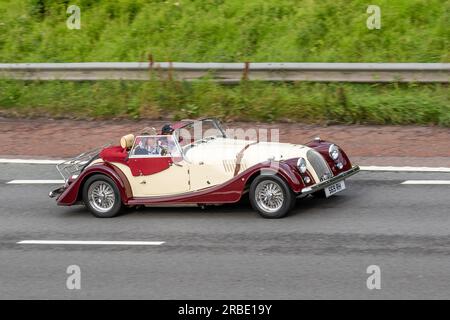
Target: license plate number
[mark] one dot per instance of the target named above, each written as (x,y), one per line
(335,188)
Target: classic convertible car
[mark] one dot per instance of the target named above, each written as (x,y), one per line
(194,162)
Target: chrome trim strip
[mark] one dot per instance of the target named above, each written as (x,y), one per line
(329,182)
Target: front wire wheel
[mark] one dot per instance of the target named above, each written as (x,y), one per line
(101,196)
(271,196)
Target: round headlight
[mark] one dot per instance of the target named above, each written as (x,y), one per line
(301,165)
(334,152)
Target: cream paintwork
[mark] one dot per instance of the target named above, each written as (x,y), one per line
(95,162)
(173,180)
(207,175)
(219,154)
(209,164)
(212,163)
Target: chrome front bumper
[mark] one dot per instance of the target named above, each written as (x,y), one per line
(329,182)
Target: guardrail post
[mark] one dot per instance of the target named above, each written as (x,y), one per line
(150,61)
(246,70)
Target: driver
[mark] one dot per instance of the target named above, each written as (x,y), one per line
(167,129)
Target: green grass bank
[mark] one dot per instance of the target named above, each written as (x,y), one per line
(227,31)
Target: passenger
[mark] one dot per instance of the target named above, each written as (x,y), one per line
(141,148)
(171,146)
(164,146)
(166,130)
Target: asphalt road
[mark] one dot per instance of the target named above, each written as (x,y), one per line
(322,250)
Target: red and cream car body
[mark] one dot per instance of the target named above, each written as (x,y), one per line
(203,167)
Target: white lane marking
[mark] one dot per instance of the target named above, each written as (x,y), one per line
(363,168)
(81,242)
(31,161)
(406,169)
(426,182)
(35,182)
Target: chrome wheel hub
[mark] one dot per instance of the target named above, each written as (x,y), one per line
(101,196)
(269,196)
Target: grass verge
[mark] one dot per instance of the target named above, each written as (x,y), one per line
(427,104)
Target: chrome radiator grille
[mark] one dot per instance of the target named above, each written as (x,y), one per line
(319,164)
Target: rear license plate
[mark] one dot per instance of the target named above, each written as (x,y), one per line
(335,188)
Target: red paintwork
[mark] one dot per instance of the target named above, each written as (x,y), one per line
(322,147)
(229,192)
(148,166)
(73,192)
(138,166)
(293,164)
(114,154)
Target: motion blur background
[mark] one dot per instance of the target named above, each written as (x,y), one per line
(227,31)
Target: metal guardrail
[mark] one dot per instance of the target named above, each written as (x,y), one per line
(231,72)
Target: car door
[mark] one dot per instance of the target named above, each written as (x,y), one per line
(205,175)
(156,167)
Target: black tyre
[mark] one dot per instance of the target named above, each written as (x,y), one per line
(271,196)
(101,196)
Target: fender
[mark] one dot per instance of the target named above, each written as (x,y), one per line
(292,163)
(283,168)
(322,147)
(72,194)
